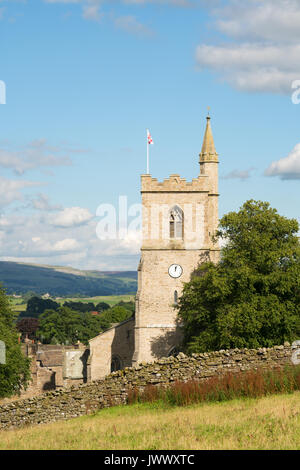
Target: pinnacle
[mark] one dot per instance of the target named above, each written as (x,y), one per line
(208,146)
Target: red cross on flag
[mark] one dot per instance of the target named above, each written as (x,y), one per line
(150,141)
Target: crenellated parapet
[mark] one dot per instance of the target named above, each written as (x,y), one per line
(175,184)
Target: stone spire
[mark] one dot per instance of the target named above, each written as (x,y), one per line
(208,152)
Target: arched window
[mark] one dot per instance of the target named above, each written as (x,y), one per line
(176,297)
(115,363)
(176,222)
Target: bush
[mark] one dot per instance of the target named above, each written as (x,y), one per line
(251,298)
(249,384)
(15,374)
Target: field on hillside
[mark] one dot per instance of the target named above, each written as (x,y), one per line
(109,299)
(267,423)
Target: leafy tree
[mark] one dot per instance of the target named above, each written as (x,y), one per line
(66,326)
(117,314)
(251,297)
(80,306)
(128,305)
(91,327)
(15,373)
(36,306)
(101,306)
(60,326)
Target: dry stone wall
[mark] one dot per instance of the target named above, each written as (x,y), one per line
(113,389)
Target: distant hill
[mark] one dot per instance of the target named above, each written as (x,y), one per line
(19,278)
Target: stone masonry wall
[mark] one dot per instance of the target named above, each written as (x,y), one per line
(113,389)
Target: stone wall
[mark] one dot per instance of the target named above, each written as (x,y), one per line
(113,390)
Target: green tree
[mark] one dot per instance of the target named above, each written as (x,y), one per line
(251,297)
(101,306)
(80,306)
(15,373)
(66,326)
(36,306)
(115,314)
(128,305)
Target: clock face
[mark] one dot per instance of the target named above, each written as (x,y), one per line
(175,270)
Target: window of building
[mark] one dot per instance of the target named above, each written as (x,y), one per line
(176,222)
(176,297)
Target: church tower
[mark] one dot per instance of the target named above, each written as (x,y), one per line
(179,219)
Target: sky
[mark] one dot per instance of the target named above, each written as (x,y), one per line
(82,80)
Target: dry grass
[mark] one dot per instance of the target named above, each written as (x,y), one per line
(266,423)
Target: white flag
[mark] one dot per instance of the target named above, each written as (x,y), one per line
(150,140)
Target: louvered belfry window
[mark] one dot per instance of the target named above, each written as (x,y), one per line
(176,222)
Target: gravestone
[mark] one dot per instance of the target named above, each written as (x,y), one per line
(2,353)
(295,358)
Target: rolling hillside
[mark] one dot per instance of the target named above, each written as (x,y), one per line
(19,278)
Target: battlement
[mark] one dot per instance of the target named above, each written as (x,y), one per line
(175,184)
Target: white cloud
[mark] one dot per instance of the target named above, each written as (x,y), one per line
(41,202)
(239,174)
(130,24)
(287,168)
(63,1)
(177,3)
(33,239)
(267,20)
(11,190)
(267,59)
(68,244)
(43,246)
(36,154)
(70,217)
(93,10)
(253,67)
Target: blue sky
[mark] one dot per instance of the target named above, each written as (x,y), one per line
(85,78)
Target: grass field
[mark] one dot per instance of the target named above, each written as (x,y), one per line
(271,422)
(109,299)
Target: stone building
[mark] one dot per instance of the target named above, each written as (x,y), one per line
(179,219)
(55,366)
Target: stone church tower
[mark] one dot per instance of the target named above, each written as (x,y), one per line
(179,219)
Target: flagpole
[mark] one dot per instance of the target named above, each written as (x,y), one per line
(147,154)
